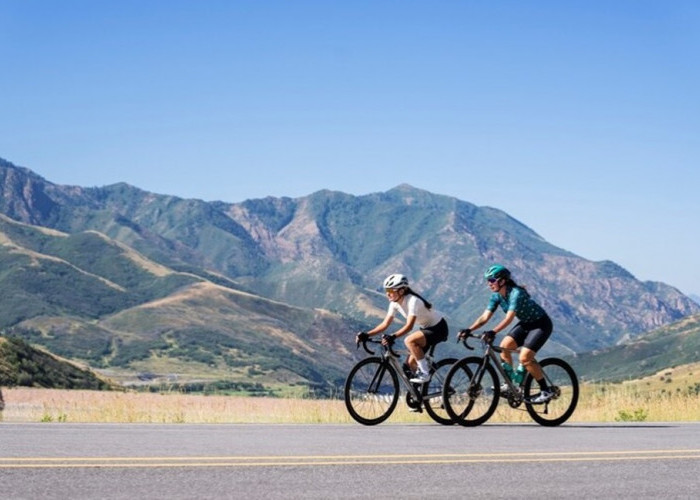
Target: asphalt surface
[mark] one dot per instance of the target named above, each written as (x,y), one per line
(426,461)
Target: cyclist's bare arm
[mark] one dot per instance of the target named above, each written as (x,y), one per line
(410,323)
(510,316)
(381,326)
(481,320)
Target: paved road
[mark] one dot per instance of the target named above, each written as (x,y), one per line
(426,461)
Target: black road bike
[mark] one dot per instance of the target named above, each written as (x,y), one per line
(372,388)
(472,389)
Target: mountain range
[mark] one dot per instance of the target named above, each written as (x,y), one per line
(145,287)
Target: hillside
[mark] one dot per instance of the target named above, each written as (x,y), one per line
(21,364)
(154,287)
(89,298)
(666,347)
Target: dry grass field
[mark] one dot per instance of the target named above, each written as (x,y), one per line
(672,395)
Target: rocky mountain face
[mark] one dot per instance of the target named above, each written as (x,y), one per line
(324,253)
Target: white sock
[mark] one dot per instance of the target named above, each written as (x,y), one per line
(423,365)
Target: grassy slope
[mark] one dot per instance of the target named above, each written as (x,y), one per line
(667,347)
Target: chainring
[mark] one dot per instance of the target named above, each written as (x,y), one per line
(412,402)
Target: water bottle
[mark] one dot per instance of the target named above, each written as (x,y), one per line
(519,374)
(508,369)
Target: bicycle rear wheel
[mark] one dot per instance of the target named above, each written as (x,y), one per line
(471,391)
(432,392)
(562,379)
(371,391)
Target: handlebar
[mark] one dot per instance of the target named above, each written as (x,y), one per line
(471,335)
(371,341)
(466,338)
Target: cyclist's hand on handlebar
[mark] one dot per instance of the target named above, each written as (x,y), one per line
(464,333)
(488,336)
(388,339)
(361,337)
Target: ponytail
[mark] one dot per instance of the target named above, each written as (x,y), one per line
(512,284)
(427,304)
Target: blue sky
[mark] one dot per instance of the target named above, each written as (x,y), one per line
(581,119)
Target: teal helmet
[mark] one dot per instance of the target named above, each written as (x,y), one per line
(497,271)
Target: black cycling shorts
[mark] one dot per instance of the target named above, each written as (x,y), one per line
(532,335)
(436,333)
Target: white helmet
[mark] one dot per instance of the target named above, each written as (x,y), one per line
(396,281)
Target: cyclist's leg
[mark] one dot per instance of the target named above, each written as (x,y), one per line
(536,337)
(415,343)
(435,334)
(527,359)
(513,339)
(508,344)
(419,342)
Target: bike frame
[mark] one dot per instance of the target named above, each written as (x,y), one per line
(392,358)
(475,371)
(492,355)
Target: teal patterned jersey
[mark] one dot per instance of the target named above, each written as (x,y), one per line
(518,300)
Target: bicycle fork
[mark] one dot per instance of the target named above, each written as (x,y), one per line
(376,381)
(475,387)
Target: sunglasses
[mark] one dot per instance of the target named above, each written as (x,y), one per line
(391,290)
(492,280)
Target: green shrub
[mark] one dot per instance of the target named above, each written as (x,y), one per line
(638,415)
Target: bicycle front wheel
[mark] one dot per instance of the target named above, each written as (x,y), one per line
(471,391)
(371,391)
(561,378)
(432,392)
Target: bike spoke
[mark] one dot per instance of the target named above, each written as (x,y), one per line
(471,391)
(561,380)
(371,391)
(432,392)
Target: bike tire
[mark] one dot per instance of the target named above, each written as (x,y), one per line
(371,391)
(471,391)
(432,392)
(558,374)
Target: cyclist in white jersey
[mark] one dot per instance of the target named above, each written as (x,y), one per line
(417,312)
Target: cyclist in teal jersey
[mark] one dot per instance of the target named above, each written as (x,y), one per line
(530,332)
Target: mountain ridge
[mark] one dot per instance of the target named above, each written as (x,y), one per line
(272,230)
(328,251)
